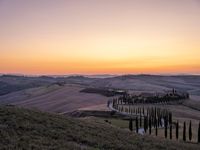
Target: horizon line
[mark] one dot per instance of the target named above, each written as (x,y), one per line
(102,74)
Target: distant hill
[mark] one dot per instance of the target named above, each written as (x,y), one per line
(12,83)
(27,129)
(190,83)
(56,93)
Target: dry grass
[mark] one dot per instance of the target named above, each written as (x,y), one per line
(26,129)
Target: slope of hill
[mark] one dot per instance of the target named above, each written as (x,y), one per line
(190,83)
(153,82)
(54,98)
(56,94)
(12,83)
(65,99)
(28,129)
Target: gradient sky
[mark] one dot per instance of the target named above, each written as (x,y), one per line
(100,36)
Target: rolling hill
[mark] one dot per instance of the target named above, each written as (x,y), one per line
(62,94)
(28,129)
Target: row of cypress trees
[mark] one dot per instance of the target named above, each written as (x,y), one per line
(156,117)
(151,112)
(147,125)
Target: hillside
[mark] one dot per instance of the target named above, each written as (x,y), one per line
(54,98)
(63,94)
(26,129)
(12,83)
(190,83)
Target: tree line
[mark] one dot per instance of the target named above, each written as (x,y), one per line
(165,98)
(156,118)
(150,118)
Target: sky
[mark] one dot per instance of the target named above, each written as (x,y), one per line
(99,37)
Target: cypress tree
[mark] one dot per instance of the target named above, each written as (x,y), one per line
(177,128)
(190,131)
(160,121)
(156,128)
(167,119)
(171,131)
(131,125)
(165,123)
(145,124)
(165,131)
(149,125)
(184,134)
(155,121)
(199,133)
(136,124)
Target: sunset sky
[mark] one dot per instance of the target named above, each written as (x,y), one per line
(100,36)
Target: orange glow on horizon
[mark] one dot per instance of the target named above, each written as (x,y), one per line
(104,37)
